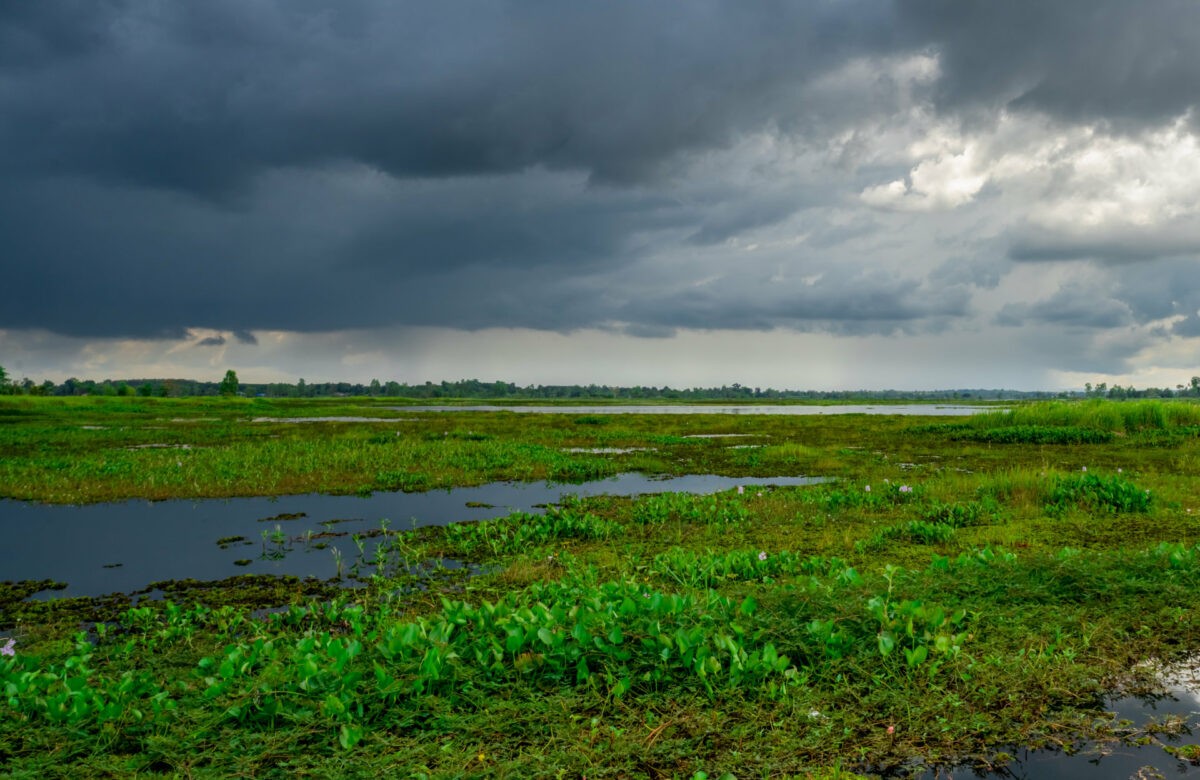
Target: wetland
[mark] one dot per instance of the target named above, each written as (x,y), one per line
(550,596)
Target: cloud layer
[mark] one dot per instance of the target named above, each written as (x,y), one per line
(860,168)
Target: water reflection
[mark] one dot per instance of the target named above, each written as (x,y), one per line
(1111,761)
(121,547)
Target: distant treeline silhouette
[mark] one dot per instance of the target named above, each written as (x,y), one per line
(474,388)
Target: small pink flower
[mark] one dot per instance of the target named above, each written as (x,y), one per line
(867,488)
(741,490)
(891,729)
(8,647)
(905,489)
(762,556)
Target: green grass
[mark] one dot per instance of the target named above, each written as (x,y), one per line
(943,597)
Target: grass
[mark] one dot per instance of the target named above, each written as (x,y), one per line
(945,596)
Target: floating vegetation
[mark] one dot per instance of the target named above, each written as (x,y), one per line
(283,516)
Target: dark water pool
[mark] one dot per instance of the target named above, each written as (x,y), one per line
(1180,704)
(122,547)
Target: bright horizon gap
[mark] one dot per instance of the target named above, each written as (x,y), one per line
(777,359)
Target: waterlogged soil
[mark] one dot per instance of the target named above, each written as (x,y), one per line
(1154,735)
(121,547)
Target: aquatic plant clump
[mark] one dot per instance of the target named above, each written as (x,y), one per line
(1107,494)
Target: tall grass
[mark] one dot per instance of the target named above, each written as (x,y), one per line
(1095,414)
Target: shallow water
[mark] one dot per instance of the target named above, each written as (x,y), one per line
(122,547)
(1110,761)
(936,410)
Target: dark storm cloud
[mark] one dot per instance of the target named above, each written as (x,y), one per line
(211,341)
(1123,63)
(1163,294)
(290,164)
(201,96)
(1163,289)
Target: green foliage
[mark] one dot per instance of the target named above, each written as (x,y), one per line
(710,569)
(917,531)
(684,508)
(1095,493)
(1097,415)
(520,531)
(960,514)
(229,385)
(1028,434)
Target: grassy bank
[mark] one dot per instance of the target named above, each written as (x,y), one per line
(955,592)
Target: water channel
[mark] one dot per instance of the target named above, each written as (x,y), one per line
(121,547)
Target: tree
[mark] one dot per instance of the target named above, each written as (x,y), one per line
(3,381)
(229,385)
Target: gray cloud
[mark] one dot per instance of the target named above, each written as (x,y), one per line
(211,341)
(840,302)
(200,97)
(1072,305)
(1124,64)
(297,166)
(979,270)
(1108,244)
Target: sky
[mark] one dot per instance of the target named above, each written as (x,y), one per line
(833,194)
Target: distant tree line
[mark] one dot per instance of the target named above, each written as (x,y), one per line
(1102,390)
(474,388)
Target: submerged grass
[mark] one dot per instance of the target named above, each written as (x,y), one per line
(944,597)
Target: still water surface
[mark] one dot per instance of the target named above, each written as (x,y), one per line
(1180,700)
(121,547)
